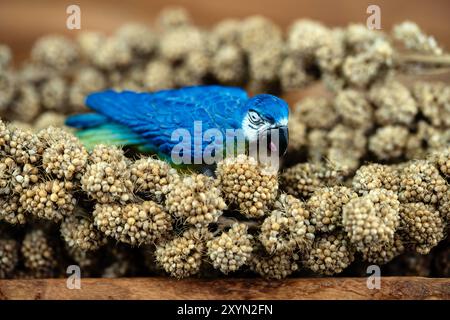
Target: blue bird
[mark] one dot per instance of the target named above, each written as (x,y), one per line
(158,122)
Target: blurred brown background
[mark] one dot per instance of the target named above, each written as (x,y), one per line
(22,21)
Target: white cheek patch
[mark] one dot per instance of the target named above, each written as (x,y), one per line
(250,133)
(284,122)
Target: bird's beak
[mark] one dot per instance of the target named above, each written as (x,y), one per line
(277,139)
(283,137)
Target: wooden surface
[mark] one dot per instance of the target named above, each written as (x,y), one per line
(170,289)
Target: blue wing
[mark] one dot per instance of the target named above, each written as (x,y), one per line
(154,116)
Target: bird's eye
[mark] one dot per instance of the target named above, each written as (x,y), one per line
(254,117)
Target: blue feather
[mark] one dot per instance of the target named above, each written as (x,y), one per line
(86,120)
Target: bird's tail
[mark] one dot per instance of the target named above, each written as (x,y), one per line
(94,129)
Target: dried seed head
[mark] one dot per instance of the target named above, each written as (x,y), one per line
(48,119)
(38,253)
(433,100)
(354,109)
(9,257)
(86,80)
(347,146)
(375,176)
(89,42)
(318,145)
(292,74)
(257,32)
(26,105)
(371,219)
(227,32)
(325,207)
(364,68)
(7,89)
(182,256)
(389,142)
(138,37)
(231,249)
(174,17)
(107,176)
(152,176)
(316,113)
(80,232)
(264,64)
(330,254)
(415,39)
(248,184)
(277,266)
(228,65)
(55,51)
(426,139)
(444,208)
(422,225)
(359,38)
(112,53)
(135,223)
(383,253)
(305,37)
(54,93)
(288,227)
(196,199)
(50,200)
(14,177)
(441,159)
(297,135)
(177,43)
(5,57)
(330,55)
(158,76)
(64,155)
(394,103)
(420,181)
(11,211)
(303,179)
(361,69)
(20,145)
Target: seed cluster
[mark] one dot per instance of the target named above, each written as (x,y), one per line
(50,200)
(303,179)
(288,227)
(421,182)
(136,223)
(80,233)
(250,186)
(196,199)
(371,219)
(64,155)
(38,253)
(422,225)
(9,257)
(326,207)
(151,176)
(182,256)
(107,177)
(330,254)
(232,249)
(277,266)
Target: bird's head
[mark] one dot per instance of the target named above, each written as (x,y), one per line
(264,115)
